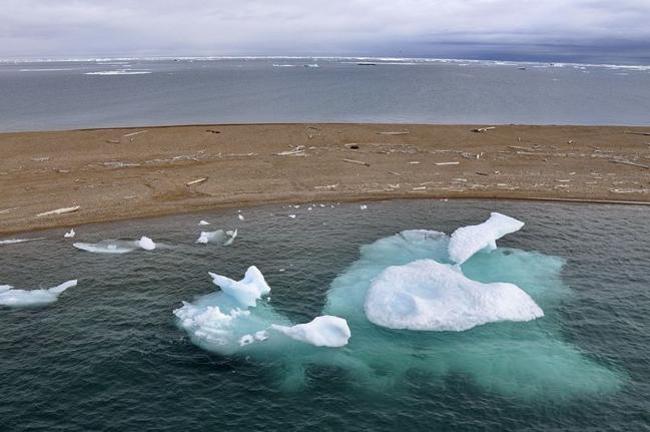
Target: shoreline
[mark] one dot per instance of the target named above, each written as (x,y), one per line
(117,174)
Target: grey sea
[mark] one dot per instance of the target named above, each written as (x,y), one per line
(111,355)
(86,93)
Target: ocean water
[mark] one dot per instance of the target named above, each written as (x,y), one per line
(110,355)
(134,92)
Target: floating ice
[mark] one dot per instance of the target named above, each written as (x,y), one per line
(69,234)
(322,331)
(116,246)
(203,222)
(219,236)
(426,295)
(146,243)
(240,216)
(17,241)
(246,291)
(39,297)
(468,240)
(118,72)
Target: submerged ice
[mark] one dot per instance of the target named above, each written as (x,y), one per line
(28,298)
(117,246)
(418,300)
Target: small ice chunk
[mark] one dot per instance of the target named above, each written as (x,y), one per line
(261,335)
(322,331)
(363,207)
(146,243)
(107,246)
(203,222)
(292,216)
(231,234)
(240,216)
(69,234)
(39,297)
(427,295)
(246,291)
(468,240)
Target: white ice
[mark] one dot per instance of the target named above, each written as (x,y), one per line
(116,246)
(39,297)
(427,295)
(69,234)
(203,222)
(246,291)
(468,240)
(219,236)
(322,331)
(146,243)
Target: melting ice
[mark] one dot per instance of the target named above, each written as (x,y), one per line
(38,297)
(117,246)
(473,308)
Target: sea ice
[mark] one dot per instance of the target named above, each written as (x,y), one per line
(39,297)
(468,240)
(246,291)
(427,295)
(203,222)
(322,331)
(146,243)
(69,234)
(219,236)
(116,246)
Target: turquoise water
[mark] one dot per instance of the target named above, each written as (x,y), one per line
(109,355)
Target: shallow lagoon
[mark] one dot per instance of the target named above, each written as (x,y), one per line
(108,354)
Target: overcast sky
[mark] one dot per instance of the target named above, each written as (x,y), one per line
(560,30)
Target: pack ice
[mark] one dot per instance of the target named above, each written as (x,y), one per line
(38,297)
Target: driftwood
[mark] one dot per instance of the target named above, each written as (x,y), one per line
(483,129)
(447,163)
(394,133)
(638,133)
(624,162)
(197,181)
(358,162)
(59,211)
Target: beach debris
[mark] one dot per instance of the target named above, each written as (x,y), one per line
(483,129)
(626,162)
(59,211)
(571,141)
(203,222)
(357,162)
(296,151)
(132,134)
(195,182)
(394,173)
(638,133)
(414,162)
(419,188)
(326,187)
(69,234)
(113,141)
(352,146)
(628,190)
(7,210)
(481,173)
(404,132)
(214,131)
(41,159)
(447,163)
(118,164)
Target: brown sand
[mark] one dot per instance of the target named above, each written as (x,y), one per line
(114,174)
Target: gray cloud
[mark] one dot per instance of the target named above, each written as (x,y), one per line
(334,27)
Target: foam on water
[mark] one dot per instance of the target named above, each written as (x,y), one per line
(31,298)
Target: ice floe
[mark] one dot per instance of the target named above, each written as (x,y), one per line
(204,222)
(246,291)
(322,331)
(427,295)
(17,241)
(225,238)
(69,234)
(28,298)
(468,240)
(117,246)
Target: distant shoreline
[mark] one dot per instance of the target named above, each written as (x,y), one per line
(124,173)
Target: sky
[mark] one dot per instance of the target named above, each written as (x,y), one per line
(598,31)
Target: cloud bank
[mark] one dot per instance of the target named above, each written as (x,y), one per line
(470,28)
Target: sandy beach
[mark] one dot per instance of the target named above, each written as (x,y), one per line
(67,178)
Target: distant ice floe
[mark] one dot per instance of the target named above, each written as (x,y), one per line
(468,240)
(322,331)
(203,223)
(118,72)
(225,238)
(232,318)
(427,295)
(17,241)
(39,297)
(117,246)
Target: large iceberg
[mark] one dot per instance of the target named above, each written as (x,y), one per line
(322,331)
(427,295)
(468,240)
(27,298)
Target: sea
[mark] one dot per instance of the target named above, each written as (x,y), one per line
(51,94)
(111,355)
